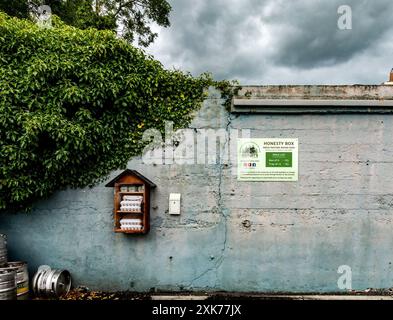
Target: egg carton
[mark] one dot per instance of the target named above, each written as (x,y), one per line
(132,198)
(131,222)
(128,203)
(131,228)
(131,209)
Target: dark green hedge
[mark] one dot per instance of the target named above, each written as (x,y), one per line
(74,105)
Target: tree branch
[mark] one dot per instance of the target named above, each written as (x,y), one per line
(122,5)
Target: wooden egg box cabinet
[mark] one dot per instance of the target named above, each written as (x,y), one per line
(131,202)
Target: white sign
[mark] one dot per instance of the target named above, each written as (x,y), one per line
(268,159)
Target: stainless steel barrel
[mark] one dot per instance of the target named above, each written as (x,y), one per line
(7,284)
(22,278)
(60,283)
(49,282)
(3,250)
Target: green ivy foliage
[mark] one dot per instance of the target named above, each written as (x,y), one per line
(74,105)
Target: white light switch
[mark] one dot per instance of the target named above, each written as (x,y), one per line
(174,203)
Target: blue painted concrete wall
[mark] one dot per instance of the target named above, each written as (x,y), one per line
(233,235)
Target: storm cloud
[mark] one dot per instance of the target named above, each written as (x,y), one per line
(279,41)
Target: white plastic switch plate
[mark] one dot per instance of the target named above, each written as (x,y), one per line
(174,203)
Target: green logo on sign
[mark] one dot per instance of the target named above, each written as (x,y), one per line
(250,151)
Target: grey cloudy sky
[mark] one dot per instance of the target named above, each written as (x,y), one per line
(279,41)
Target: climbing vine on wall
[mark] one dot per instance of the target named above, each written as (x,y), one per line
(74,105)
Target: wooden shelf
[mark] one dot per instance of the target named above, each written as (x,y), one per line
(130,212)
(130,231)
(132,193)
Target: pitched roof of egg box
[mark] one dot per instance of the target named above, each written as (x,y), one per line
(130,172)
(314,99)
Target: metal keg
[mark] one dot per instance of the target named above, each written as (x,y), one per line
(7,284)
(37,279)
(3,250)
(22,278)
(49,282)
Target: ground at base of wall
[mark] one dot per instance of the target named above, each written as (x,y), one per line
(85,294)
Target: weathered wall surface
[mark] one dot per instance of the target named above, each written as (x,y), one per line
(231,235)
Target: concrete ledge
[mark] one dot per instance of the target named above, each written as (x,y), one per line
(314,99)
(312,103)
(311,106)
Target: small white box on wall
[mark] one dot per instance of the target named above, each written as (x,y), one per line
(174,203)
